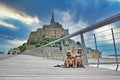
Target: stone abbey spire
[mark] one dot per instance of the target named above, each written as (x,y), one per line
(52,19)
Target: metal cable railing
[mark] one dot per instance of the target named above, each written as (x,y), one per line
(106,43)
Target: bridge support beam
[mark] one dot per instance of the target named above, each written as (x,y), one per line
(116,57)
(84,49)
(53,52)
(96,50)
(63,50)
(46,51)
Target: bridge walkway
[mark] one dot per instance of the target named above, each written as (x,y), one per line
(27,67)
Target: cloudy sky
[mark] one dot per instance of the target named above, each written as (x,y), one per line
(19,17)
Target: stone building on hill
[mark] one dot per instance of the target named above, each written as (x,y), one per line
(14,51)
(54,30)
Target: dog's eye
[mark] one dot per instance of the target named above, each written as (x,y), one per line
(68,54)
(79,52)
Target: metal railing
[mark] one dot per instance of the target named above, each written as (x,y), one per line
(45,49)
(106,41)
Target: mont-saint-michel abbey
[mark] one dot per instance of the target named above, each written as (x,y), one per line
(50,33)
(54,30)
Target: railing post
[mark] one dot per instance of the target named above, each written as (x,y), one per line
(115,49)
(63,50)
(53,53)
(76,49)
(46,50)
(49,51)
(96,49)
(40,52)
(84,49)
